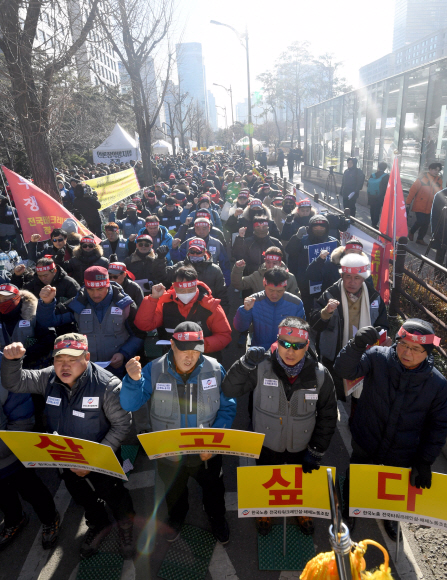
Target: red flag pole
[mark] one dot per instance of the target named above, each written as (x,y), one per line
(396,156)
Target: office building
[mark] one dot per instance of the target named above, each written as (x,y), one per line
(414,20)
(212,112)
(191,72)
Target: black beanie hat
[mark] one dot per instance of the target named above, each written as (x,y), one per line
(419,326)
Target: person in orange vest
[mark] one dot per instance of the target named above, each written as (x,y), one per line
(422,193)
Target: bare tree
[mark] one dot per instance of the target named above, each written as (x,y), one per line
(137,29)
(272,97)
(35,54)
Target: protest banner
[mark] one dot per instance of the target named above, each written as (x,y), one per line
(43,450)
(38,212)
(115,187)
(380,491)
(193,440)
(314,251)
(283,490)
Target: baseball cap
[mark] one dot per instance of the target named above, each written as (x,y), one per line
(96,277)
(73,344)
(189,336)
(144,237)
(198,243)
(119,268)
(7,289)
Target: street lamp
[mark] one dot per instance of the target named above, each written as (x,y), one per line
(231,97)
(224,109)
(250,123)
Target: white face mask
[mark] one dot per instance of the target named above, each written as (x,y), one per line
(186,298)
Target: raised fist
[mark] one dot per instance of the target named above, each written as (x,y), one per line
(158,290)
(35,238)
(133,368)
(331,306)
(176,243)
(19,270)
(242,232)
(132,237)
(188,205)
(188,220)
(302,231)
(15,350)
(289,219)
(162,252)
(324,254)
(47,294)
(249,302)
(238,211)
(240,264)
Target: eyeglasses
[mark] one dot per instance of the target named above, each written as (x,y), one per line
(294,345)
(195,252)
(83,246)
(58,239)
(145,244)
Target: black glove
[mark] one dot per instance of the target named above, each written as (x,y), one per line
(289,219)
(366,336)
(254,356)
(311,462)
(162,252)
(420,475)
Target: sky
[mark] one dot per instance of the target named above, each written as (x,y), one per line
(355,32)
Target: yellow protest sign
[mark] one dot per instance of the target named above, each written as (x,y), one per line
(193,440)
(202,148)
(114,187)
(43,450)
(378,491)
(282,490)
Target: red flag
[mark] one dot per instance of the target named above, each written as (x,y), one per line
(38,212)
(393,215)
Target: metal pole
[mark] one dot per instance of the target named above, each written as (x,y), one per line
(284,536)
(250,122)
(231,100)
(396,164)
(398,542)
(339,536)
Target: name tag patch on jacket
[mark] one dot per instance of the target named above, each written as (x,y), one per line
(375,303)
(209,383)
(79,414)
(311,397)
(24,323)
(163,386)
(54,401)
(86,311)
(116,310)
(90,402)
(270,382)
(212,249)
(121,245)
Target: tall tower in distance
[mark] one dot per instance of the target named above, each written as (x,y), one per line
(191,72)
(414,19)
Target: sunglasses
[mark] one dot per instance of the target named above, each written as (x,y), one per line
(294,345)
(145,244)
(113,277)
(58,239)
(88,246)
(195,252)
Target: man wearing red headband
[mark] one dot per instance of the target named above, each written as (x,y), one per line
(87,254)
(401,417)
(147,266)
(280,214)
(189,384)
(254,209)
(187,297)
(203,202)
(294,401)
(131,224)
(159,234)
(114,244)
(103,312)
(298,219)
(81,401)
(120,274)
(342,309)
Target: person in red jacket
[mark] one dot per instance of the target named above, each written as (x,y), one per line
(187,300)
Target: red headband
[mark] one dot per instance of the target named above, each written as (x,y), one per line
(188,336)
(353,246)
(75,344)
(97,283)
(354,269)
(190,284)
(45,268)
(255,202)
(296,332)
(260,223)
(87,240)
(273,257)
(149,223)
(9,288)
(419,338)
(291,197)
(280,285)
(201,222)
(198,243)
(304,203)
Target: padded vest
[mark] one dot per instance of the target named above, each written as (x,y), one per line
(172,317)
(23,332)
(120,250)
(89,420)
(288,425)
(129,228)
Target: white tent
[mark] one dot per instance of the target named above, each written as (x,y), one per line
(162,147)
(244,143)
(118,147)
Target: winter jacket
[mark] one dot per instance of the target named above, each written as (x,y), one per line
(185,232)
(298,252)
(352,181)
(95,381)
(318,416)
(66,287)
(329,270)
(118,248)
(133,290)
(254,281)
(163,238)
(423,192)
(130,226)
(166,312)
(108,325)
(331,331)
(215,217)
(88,208)
(170,219)
(292,227)
(266,316)
(216,250)
(252,250)
(234,223)
(60,256)
(278,214)
(208,273)
(280,158)
(149,269)
(438,217)
(21,325)
(402,414)
(81,260)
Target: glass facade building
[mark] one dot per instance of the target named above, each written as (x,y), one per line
(406,112)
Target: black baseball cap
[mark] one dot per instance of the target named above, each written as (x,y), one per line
(189,336)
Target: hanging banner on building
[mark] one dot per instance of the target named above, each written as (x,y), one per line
(378,491)
(283,490)
(186,441)
(43,450)
(114,187)
(38,212)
